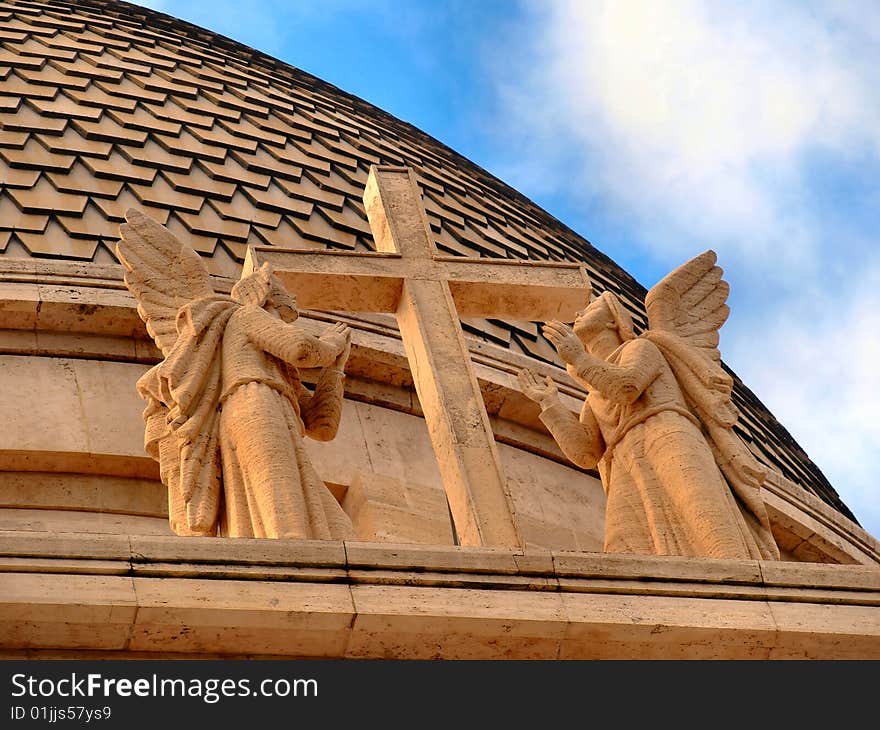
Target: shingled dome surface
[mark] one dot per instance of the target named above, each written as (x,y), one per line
(106,106)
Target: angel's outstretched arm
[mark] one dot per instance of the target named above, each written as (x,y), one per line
(287,342)
(321,411)
(625,381)
(580,439)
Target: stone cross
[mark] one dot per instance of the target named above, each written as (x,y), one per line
(428,292)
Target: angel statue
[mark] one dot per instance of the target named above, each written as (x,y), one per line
(658,421)
(226,410)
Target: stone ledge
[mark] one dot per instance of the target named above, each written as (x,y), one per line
(822,528)
(195,597)
(368,562)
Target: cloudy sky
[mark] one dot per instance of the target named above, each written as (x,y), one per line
(657,130)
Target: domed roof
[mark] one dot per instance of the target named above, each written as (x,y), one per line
(105,106)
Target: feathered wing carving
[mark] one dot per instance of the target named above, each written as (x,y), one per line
(691,302)
(163,274)
(186,319)
(685,311)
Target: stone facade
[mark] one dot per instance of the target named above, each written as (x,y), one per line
(104,106)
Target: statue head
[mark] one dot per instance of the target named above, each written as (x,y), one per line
(604,313)
(263,289)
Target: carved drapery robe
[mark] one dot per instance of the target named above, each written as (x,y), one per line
(226,411)
(270,487)
(665,491)
(229,394)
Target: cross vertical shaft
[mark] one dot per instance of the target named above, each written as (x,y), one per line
(428,292)
(444,377)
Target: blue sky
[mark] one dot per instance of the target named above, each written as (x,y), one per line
(657,130)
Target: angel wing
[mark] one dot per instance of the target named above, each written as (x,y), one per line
(187,320)
(691,302)
(163,274)
(685,311)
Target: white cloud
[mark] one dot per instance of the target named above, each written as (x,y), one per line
(697,124)
(696,114)
(817,371)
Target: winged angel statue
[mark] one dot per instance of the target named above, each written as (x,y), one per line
(658,421)
(226,410)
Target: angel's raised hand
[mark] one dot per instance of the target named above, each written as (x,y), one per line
(342,357)
(566,342)
(337,337)
(541,391)
(338,327)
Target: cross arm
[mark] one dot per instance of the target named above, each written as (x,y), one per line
(353,281)
(516,289)
(339,281)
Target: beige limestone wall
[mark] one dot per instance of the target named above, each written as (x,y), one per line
(72,460)
(66,414)
(556,507)
(65,520)
(75,462)
(72,346)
